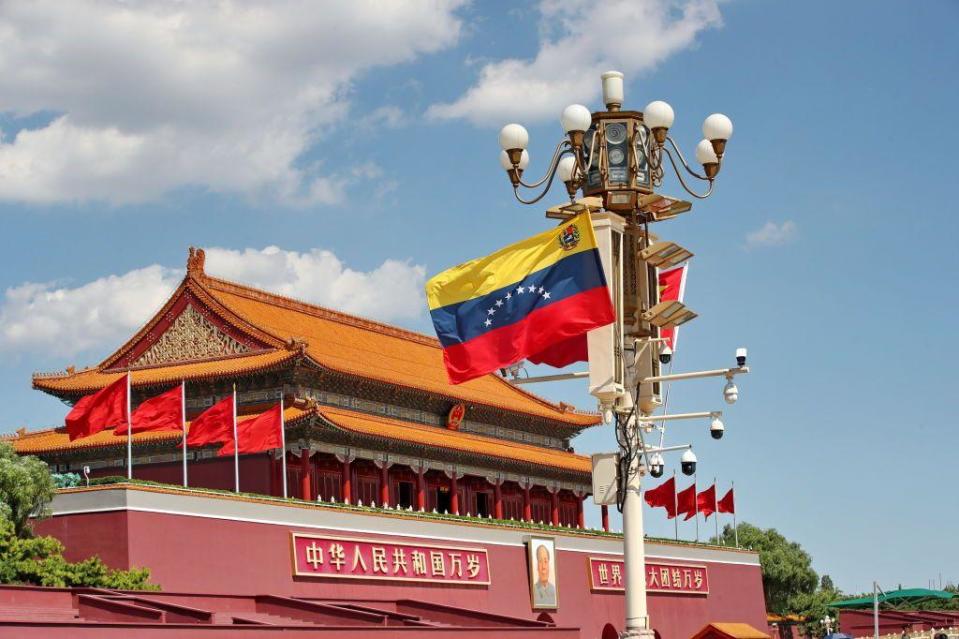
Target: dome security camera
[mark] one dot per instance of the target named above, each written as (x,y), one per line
(716,428)
(688,463)
(656,465)
(665,355)
(730,392)
(741,356)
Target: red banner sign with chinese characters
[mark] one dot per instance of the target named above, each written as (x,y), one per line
(352,558)
(608,574)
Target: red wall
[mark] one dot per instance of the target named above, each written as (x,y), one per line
(195,554)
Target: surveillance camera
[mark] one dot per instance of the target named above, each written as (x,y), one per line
(741,356)
(688,462)
(665,355)
(656,465)
(716,428)
(730,392)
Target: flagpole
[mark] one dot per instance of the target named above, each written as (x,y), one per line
(675,508)
(236,448)
(183,424)
(716,509)
(283,443)
(735,527)
(129,432)
(696,504)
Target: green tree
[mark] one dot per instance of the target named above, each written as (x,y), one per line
(26,489)
(826,583)
(789,580)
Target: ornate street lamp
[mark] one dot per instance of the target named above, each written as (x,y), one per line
(616,154)
(616,159)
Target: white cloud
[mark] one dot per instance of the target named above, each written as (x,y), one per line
(579,40)
(391,291)
(153,96)
(54,320)
(772,234)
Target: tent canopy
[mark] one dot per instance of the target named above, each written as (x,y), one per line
(896,596)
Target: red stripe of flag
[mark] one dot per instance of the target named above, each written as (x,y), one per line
(540,329)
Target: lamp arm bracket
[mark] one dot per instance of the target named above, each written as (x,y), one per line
(551,169)
(679,175)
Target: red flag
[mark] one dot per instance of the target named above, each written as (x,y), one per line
(672,286)
(103,409)
(706,501)
(163,412)
(727,503)
(563,353)
(214,425)
(664,496)
(257,434)
(686,502)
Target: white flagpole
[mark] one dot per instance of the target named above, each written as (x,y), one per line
(716,508)
(129,432)
(735,527)
(696,504)
(183,423)
(675,507)
(236,448)
(283,444)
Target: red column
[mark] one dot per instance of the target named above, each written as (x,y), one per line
(454,495)
(580,515)
(347,483)
(498,499)
(421,488)
(385,485)
(306,479)
(527,505)
(554,498)
(605,510)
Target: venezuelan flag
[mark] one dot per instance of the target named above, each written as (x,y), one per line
(521,300)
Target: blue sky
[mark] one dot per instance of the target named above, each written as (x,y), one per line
(367,156)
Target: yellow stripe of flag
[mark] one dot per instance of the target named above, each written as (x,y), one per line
(510,264)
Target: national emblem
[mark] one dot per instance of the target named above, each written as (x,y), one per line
(569,237)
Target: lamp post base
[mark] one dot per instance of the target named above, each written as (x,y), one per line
(638,633)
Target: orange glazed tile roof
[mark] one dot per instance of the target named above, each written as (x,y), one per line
(92,379)
(54,440)
(369,349)
(388,428)
(333,340)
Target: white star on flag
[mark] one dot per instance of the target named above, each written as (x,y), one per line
(488,322)
(520,290)
(546,295)
(499,302)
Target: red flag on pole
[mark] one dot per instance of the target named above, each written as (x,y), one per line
(727,503)
(163,412)
(257,434)
(214,425)
(706,501)
(686,502)
(103,409)
(664,496)
(672,286)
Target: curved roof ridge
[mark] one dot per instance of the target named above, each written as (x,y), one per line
(323,312)
(318,311)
